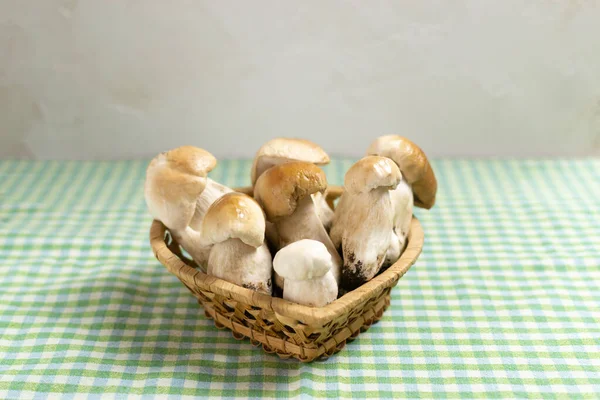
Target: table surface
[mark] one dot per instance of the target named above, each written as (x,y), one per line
(503,302)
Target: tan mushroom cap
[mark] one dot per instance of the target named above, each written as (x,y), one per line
(413,163)
(174,180)
(234,216)
(279,189)
(192,160)
(372,172)
(281,150)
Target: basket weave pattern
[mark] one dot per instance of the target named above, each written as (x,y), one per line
(282,327)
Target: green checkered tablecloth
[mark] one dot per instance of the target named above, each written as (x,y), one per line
(503,302)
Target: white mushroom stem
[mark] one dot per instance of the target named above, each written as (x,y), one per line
(211,193)
(362,229)
(241,264)
(403,203)
(304,223)
(323,210)
(393,252)
(317,292)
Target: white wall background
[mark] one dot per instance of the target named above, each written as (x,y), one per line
(92,79)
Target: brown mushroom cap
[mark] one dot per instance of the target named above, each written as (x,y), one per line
(372,172)
(281,150)
(174,180)
(234,216)
(279,189)
(413,164)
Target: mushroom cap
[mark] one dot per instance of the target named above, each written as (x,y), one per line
(281,150)
(279,189)
(372,172)
(234,216)
(192,160)
(174,180)
(413,163)
(303,260)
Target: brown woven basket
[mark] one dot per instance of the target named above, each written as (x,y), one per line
(282,327)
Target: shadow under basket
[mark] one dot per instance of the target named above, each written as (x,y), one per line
(280,326)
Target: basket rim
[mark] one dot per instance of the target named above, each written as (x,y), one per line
(308,315)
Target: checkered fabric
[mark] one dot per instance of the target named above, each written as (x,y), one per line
(503,302)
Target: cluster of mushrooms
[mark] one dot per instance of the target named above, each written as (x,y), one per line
(319,253)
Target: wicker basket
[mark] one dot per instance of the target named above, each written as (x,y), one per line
(282,327)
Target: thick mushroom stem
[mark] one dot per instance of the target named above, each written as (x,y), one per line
(316,292)
(363,232)
(241,264)
(394,251)
(402,202)
(324,212)
(304,223)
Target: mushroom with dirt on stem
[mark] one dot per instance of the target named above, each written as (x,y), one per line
(284,192)
(306,266)
(235,227)
(174,181)
(363,223)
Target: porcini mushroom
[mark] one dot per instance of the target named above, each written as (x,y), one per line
(363,222)
(282,150)
(235,227)
(306,267)
(284,192)
(174,181)
(417,188)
